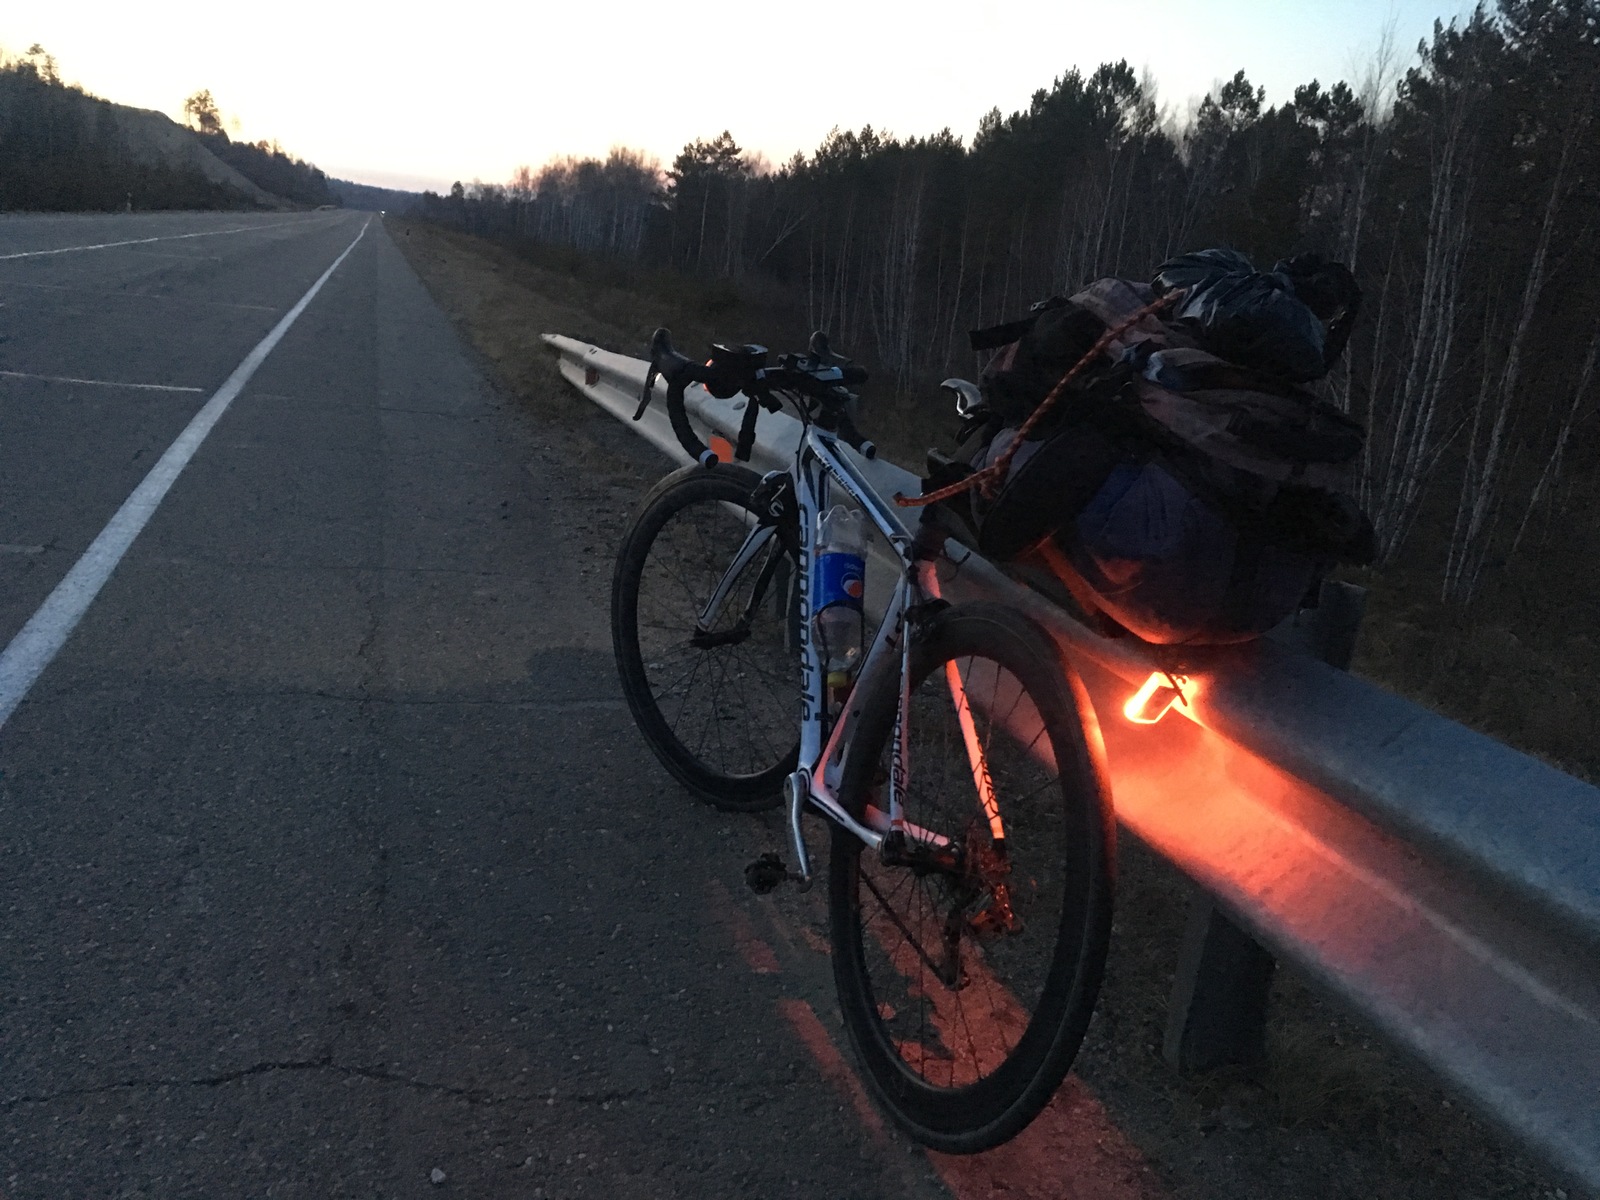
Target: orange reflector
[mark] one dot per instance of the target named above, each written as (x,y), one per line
(722,448)
(1158,694)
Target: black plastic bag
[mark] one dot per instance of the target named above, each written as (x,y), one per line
(1250,317)
(1329,290)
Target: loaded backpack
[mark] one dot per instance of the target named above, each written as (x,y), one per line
(1184,483)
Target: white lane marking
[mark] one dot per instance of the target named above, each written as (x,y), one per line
(38,642)
(143,387)
(171,237)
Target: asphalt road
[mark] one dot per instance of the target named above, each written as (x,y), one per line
(329,858)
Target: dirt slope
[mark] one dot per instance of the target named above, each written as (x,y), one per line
(155,138)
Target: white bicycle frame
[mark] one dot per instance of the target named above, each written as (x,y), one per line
(820,465)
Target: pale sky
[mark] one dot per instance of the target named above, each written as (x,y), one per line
(420,96)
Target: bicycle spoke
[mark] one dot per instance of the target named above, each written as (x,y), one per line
(723,707)
(971,1022)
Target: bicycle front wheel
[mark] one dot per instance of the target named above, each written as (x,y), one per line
(968,950)
(718,702)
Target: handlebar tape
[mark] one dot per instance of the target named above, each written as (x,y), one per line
(678,414)
(679,372)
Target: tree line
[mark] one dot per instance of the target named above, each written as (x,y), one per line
(64,150)
(1461,190)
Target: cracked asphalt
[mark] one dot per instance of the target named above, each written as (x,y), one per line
(330,863)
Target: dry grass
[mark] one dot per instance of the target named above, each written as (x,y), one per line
(617,307)
(1519,666)
(1334,1112)
(517,295)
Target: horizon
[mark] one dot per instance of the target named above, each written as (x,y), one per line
(400,133)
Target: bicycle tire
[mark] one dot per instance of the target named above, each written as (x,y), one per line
(723,719)
(907,1025)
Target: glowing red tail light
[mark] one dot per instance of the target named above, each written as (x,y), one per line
(1157,694)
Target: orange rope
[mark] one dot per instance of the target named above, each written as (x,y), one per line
(989,477)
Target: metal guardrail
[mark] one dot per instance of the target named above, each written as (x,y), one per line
(1439,883)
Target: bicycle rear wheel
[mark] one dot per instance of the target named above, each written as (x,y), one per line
(967,963)
(719,707)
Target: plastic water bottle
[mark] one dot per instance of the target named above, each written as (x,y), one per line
(841,585)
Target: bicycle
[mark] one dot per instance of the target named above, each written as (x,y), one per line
(971,863)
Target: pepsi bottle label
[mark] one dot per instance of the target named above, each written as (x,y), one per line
(841,579)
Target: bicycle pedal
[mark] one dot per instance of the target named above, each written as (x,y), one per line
(766,873)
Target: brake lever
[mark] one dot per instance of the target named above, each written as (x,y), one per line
(853,437)
(824,353)
(660,343)
(649,391)
(747,431)
(760,392)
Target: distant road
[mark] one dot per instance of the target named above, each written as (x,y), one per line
(329,858)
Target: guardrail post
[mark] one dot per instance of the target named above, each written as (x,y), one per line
(1218,1012)
(1329,630)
